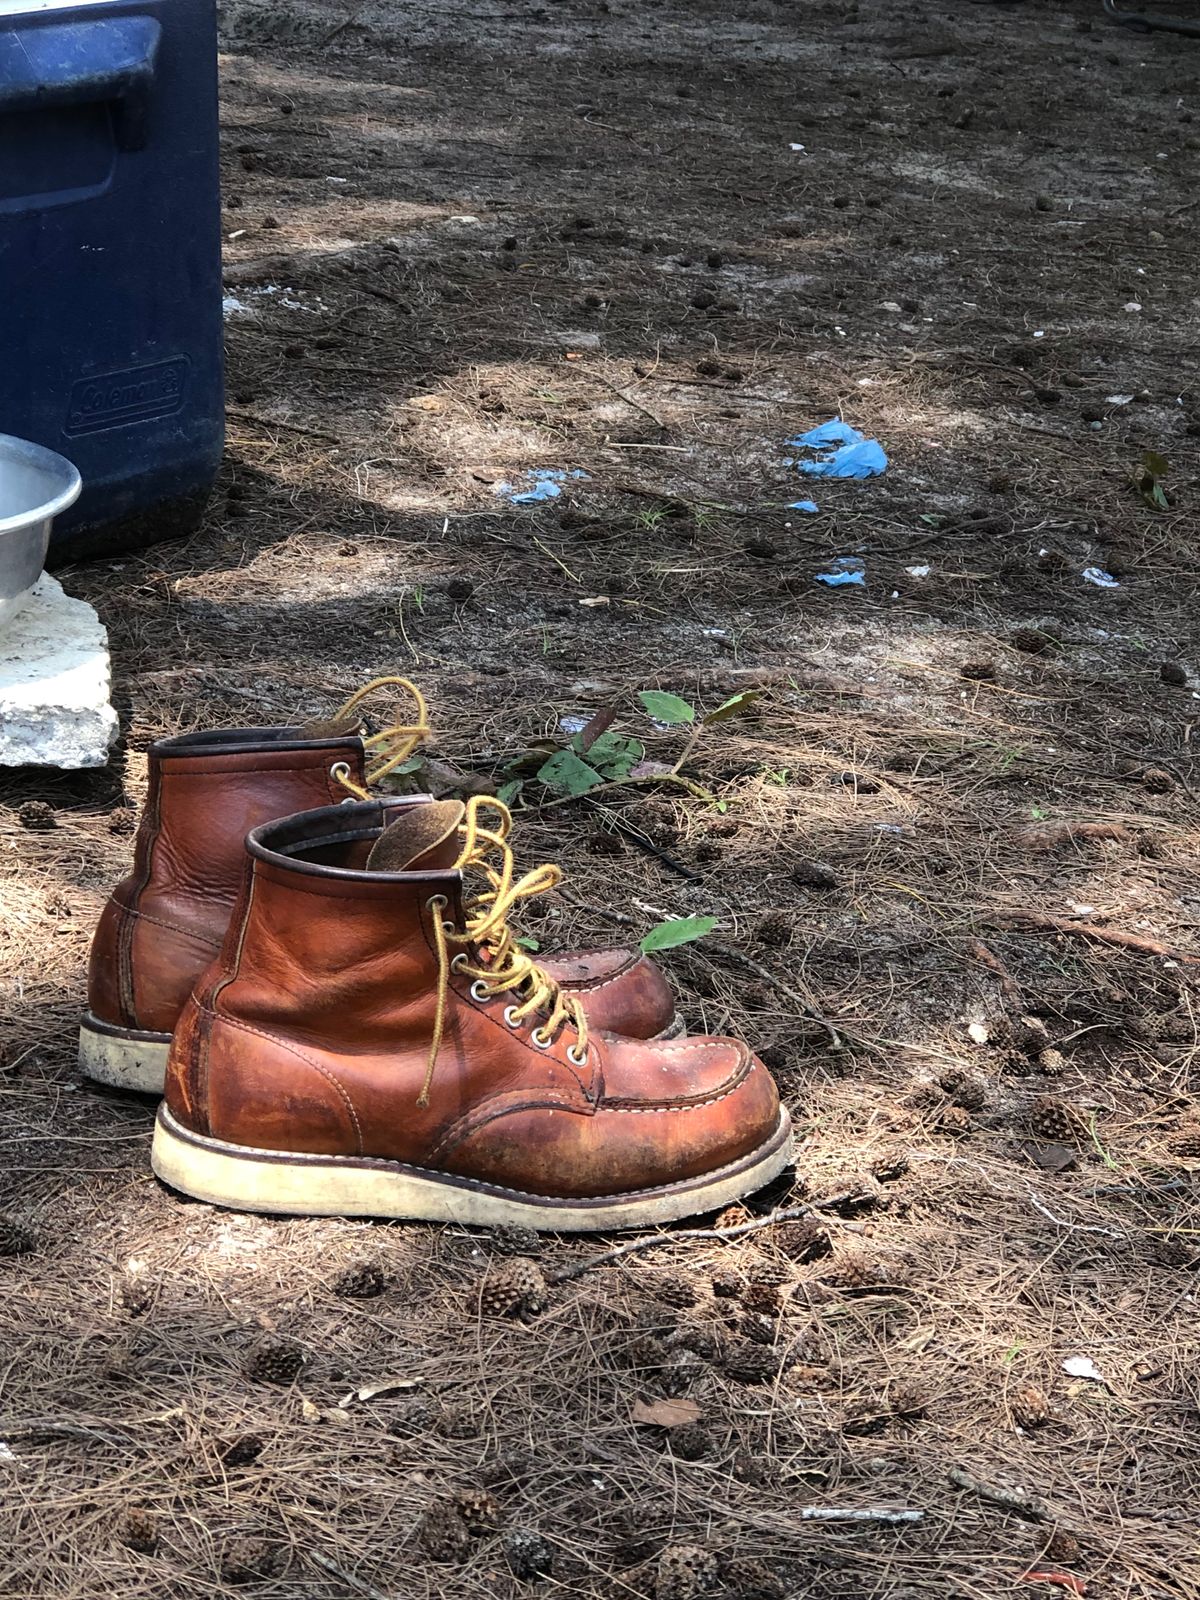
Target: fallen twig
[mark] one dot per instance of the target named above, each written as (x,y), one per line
(1008,984)
(732,953)
(1039,922)
(1018,1500)
(855,1514)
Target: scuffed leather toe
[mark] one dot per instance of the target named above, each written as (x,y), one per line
(622,990)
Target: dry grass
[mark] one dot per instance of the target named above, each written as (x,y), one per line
(1012,1107)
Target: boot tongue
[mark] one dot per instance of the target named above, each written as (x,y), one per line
(422,839)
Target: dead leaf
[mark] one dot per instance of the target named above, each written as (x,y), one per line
(978,1033)
(428,402)
(597,600)
(599,723)
(308,1411)
(371,1391)
(336,1414)
(666,1413)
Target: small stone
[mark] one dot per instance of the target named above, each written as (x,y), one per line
(704,299)
(1173,672)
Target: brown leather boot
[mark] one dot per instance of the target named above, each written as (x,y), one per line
(164,923)
(373,1042)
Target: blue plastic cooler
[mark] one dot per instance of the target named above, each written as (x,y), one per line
(110,257)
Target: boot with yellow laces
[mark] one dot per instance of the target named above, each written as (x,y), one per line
(373,1041)
(164,923)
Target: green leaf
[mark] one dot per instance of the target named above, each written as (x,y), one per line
(734,706)
(1158,497)
(528,942)
(615,756)
(668,708)
(677,930)
(508,792)
(566,774)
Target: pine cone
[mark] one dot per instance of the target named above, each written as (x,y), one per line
(748,1362)
(1157,780)
(805,1239)
(442,1533)
(691,1442)
(858,1268)
(1062,1548)
(361,1282)
(726,1283)
(684,1571)
(908,1399)
(251,1560)
(1051,1062)
(242,1451)
(138,1529)
(954,1121)
(702,1338)
(768,1274)
(676,1289)
(514,1288)
(1054,1120)
(643,1353)
(510,1239)
(683,1370)
(479,1509)
(775,929)
(1029,1405)
(37,816)
(732,1217)
(16,1238)
(529,1556)
(275,1360)
(759,1328)
(965,1089)
(749,1579)
(762,1299)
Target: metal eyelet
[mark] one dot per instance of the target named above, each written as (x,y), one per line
(576,1056)
(479,991)
(458,962)
(511,1017)
(436,902)
(542,1040)
(340,770)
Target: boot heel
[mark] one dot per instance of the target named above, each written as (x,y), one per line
(123,1058)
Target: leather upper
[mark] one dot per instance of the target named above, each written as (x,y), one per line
(164,922)
(311,1034)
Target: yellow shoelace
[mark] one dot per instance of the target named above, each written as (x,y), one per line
(503,966)
(391,746)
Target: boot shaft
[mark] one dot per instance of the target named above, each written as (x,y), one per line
(165,921)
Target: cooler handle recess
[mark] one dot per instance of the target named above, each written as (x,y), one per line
(81,63)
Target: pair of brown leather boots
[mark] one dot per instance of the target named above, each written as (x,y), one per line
(346,1023)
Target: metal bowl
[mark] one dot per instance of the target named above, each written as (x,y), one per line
(35,485)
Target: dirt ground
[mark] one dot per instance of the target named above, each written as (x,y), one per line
(651,242)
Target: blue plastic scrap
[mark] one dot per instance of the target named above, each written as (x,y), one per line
(809,507)
(847,569)
(843,452)
(547,485)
